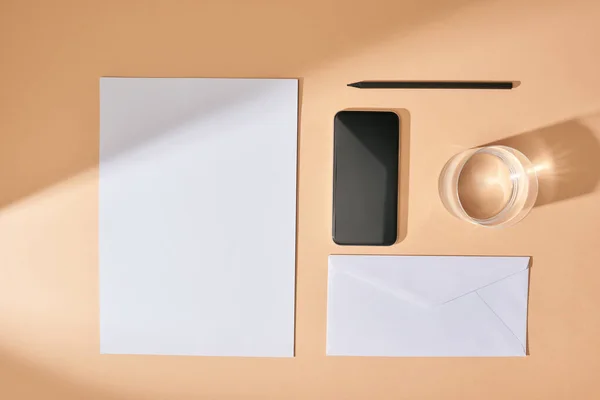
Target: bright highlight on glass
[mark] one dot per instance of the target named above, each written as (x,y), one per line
(493,186)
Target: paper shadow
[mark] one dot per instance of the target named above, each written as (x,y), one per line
(298,140)
(217,96)
(566,157)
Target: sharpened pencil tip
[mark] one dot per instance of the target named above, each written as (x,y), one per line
(355,84)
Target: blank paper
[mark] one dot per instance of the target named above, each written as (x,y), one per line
(417,306)
(197,216)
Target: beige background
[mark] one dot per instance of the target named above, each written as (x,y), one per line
(52,54)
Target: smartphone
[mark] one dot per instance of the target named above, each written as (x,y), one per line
(365,177)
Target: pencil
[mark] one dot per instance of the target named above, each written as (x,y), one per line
(434,85)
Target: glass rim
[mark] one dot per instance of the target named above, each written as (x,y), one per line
(494,219)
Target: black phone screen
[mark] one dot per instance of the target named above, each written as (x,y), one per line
(365,177)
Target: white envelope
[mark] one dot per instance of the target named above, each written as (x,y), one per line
(427,306)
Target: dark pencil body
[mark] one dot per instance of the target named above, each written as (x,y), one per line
(432,85)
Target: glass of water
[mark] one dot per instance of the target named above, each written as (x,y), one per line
(492,186)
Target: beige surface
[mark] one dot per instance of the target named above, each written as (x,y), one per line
(52,53)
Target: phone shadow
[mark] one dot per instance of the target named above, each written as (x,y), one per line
(404,173)
(403,168)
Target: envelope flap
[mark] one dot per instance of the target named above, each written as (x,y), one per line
(428,280)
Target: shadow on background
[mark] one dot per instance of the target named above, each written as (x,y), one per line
(19,380)
(50,130)
(49,101)
(566,157)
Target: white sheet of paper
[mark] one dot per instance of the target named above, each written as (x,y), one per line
(427,306)
(197,216)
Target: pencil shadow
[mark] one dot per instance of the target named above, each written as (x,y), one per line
(566,157)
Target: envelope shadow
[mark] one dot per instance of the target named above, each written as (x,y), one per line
(528,297)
